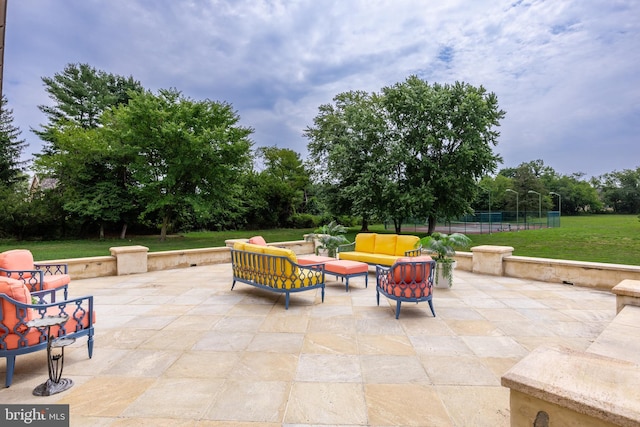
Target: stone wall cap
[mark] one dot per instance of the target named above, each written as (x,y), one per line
(627,287)
(587,383)
(127,249)
(493,249)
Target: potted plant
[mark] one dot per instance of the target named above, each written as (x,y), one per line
(328,238)
(442,247)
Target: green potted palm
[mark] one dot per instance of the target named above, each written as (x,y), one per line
(328,238)
(441,247)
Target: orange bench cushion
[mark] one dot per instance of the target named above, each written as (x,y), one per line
(346,267)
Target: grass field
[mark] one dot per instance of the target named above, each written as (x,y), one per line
(600,238)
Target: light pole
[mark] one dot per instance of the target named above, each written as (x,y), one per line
(539,202)
(559,205)
(559,202)
(517,206)
(488,191)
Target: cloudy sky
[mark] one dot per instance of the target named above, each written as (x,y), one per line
(567,72)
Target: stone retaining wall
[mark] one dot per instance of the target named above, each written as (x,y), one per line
(494,260)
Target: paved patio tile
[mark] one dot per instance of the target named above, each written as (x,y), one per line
(176,352)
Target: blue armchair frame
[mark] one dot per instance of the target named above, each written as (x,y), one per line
(406,281)
(79,309)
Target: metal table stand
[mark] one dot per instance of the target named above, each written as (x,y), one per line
(55,384)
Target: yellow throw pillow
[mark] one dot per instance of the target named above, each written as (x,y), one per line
(405,243)
(386,244)
(365,242)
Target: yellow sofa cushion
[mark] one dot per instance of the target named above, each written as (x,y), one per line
(365,242)
(259,249)
(405,243)
(385,244)
(368,258)
(272,250)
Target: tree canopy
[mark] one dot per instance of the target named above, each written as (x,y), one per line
(80,95)
(415,150)
(185,157)
(11,148)
(118,154)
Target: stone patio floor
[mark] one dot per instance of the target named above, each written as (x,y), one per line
(179,348)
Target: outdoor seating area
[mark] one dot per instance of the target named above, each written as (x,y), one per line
(174,351)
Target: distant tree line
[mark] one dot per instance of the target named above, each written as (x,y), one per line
(120,159)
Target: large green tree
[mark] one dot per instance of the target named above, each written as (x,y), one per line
(11,148)
(13,180)
(621,190)
(444,136)
(92,174)
(348,153)
(186,156)
(275,195)
(80,94)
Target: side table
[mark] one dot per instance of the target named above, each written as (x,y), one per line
(55,384)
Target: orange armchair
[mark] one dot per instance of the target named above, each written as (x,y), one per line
(18,264)
(19,307)
(408,279)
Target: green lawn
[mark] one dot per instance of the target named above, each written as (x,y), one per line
(600,238)
(63,249)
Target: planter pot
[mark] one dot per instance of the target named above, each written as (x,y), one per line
(444,275)
(322,252)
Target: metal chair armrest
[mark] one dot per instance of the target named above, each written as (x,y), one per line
(53,268)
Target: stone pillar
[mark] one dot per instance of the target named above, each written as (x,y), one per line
(487,259)
(130,259)
(627,293)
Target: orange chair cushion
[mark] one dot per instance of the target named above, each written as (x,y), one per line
(408,281)
(55,281)
(33,336)
(17,259)
(258,240)
(406,273)
(18,291)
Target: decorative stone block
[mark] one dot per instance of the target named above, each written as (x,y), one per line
(627,293)
(573,388)
(487,259)
(130,259)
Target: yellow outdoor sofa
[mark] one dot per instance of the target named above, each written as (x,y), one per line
(275,269)
(380,249)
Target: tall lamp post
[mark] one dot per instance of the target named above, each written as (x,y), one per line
(539,202)
(559,202)
(517,206)
(488,191)
(559,205)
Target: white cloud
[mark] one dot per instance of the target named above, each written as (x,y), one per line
(564,71)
